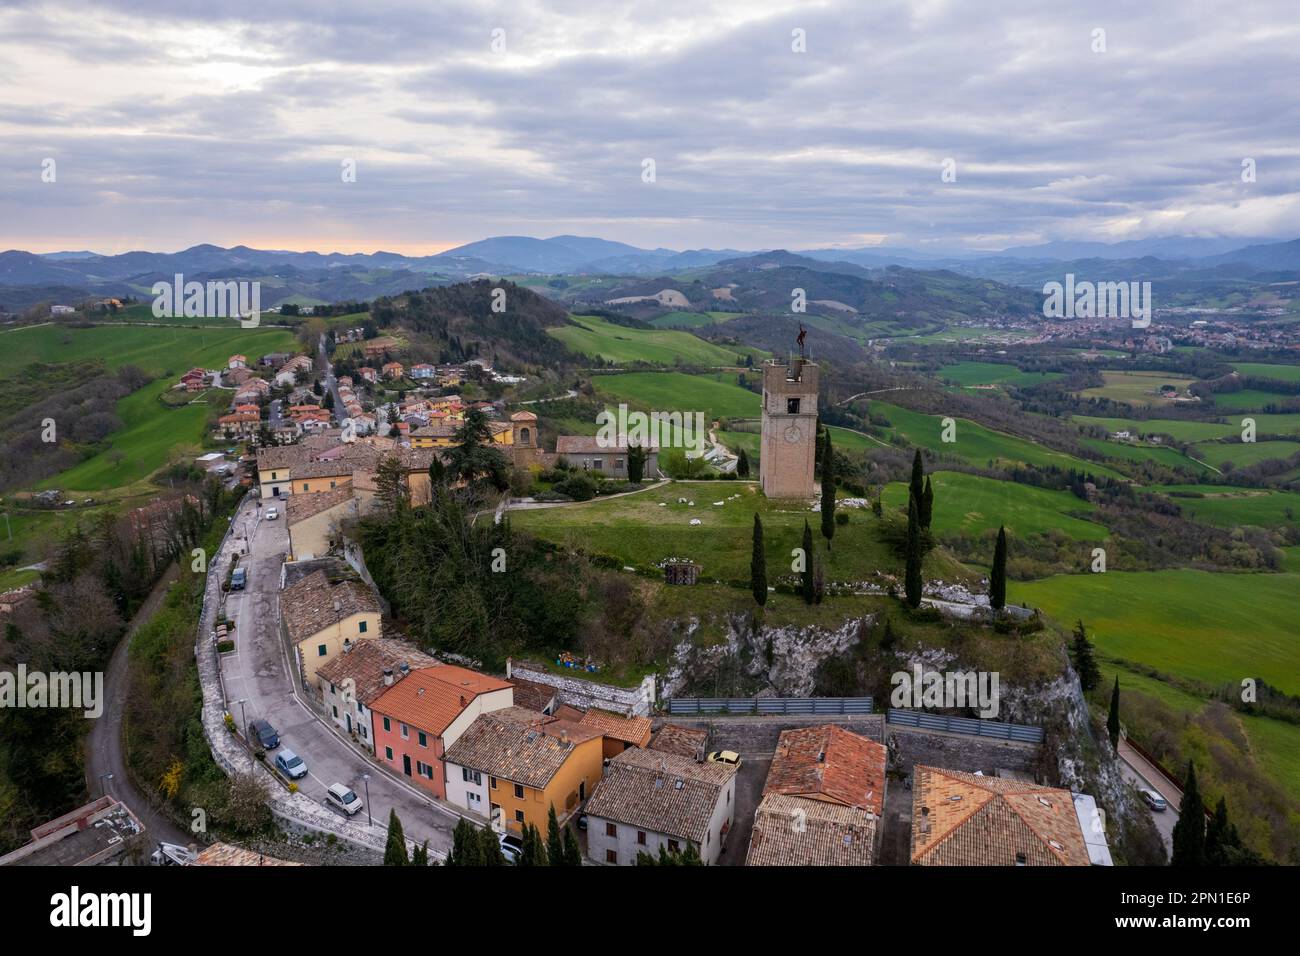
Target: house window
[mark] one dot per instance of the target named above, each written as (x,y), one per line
(331,485)
(424,770)
(611,830)
(336,712)
(471,776)
(362,627)
(388,753)
(618,464)
(519,792)
(792,406)
(388,726)
(672,846)
(424,741)
(519,816)
(333,689)
(320,650)
(304,486)
(1020,859)
(611,856)
(640,837)
(405,731)
(364,735)
(492,781)
(473,801)
(274,476)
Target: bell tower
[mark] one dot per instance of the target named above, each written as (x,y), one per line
(788,452)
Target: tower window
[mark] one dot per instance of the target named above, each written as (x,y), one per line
(792,406)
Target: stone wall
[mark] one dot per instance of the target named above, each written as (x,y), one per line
(758,735)
(579,692)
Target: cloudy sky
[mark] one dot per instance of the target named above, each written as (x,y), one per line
(172,122)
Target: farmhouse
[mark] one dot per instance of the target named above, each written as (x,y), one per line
(590,454)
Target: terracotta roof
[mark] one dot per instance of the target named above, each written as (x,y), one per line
(431,698)
(660,792)
(532,695)
(962,819)
(591,445)
(829,763)
(307,606)
(300,507)
(223,854)
(281,456)
(523,417)
(528,752)
(683,741)
(321,469)
(569,712)
(632,730)
(795,831)
(364,666)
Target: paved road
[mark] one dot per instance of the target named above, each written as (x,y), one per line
(259,673)
(1138,771)
(104,751)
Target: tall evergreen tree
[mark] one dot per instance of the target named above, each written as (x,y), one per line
(465,848)
(998,578)
(420,856)
(395,851)
(635,464)
(913,579)
(828,490)
(1085,665)
(572,852)
(554,841)
(742,464)
(915,489)
(1112,719)
(758,565)
(1189,831)
(927,504)
(534,851)
(806,578)
(490,848)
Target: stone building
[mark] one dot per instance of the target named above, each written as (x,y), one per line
(789,433)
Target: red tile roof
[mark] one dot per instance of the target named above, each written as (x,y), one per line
(433,697)
(829,763)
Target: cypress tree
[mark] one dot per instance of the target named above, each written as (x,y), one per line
(828,490)
(490,847)
(635,464)
(465,849)
(572,852)
(420,857)
(806,587)
(998,579)
(742,465)
(913,581)
(927,504)
(1112,719)
(1084,663)
(1189,831)
(534,851)
(758,565)
(914,487)
(395,851)
(554,842)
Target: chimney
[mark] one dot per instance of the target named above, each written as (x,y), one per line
(509,665)
(404,667)
(564,737)
(463,701)
(388,677)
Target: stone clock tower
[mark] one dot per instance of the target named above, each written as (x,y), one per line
(787,455)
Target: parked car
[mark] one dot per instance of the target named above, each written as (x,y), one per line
(272,514)
(342,797)
(725,756)
(239,579)
(261,732)
(290,764)
(511,846)
(1154,800)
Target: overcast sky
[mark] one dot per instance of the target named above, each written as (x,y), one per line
(171,124)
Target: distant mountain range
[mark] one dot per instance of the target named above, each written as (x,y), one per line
(305,277)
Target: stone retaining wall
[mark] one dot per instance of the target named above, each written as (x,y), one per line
(579,692)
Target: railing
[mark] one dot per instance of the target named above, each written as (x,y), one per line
(965,725)
(763,706)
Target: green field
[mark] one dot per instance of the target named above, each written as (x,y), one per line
(1137,388)
(971,504)
(1227,507)
(151,432)
(599,338)
(1248,400)
(1243,454)
(1169,457)
(993,373)
(1281,373)
(692,320)
(1183,431)
(638,532)
(975,443)
(1209,626)
(717,394)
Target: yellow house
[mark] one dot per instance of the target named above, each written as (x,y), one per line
(444,436)
(274,466)
(313,520)
(321,618)
(513,765)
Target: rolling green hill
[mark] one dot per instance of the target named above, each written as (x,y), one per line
(599,338)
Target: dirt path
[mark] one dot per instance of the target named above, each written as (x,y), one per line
(104,751)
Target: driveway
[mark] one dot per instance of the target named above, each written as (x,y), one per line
(260,673)
(749,791)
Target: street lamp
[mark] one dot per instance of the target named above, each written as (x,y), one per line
(243,722)
(103,786)
(365,778)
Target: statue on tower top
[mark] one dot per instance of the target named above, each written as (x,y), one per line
(803,334)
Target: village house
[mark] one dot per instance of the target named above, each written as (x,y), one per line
(350,683)
(237,361)
(392,370)
(238,425)
(368,374)
(965,819)
(586,452)
(513,765)
(323,619)
(619,732)
(313,521)
(689,742)
(650,799)
(426,712)
(423,371)
(833,781)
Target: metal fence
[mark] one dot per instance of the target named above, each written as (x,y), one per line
(761,706)
(964,725)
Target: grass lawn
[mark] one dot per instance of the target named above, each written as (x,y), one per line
(1136,388)
(972,503)
(600,338)
(1208,626)
(975,443)
(692,320)
(1282,373)
(993,373)
(1227,507)
(1183,431)
(1243,454)
(638,532)
(1247,400)
(1169,457)
(716,394)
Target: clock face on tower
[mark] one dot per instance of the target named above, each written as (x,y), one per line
(792,435)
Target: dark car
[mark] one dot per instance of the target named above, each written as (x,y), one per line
(262,733)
